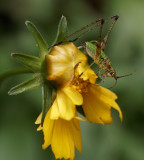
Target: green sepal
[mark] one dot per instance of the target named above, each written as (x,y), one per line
(34,82)
(31,62)
(47,90)
(13,72)
(62,32)
(80,110)
(43,48)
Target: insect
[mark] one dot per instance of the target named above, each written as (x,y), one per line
(95,49)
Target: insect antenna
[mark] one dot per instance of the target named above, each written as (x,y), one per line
(121,77)
(125,75)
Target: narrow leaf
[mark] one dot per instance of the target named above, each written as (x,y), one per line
(47,99)
(62,32)
(43,48)
(31,62)
(34,82)
(13,72)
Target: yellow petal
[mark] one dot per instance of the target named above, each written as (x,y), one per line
(39,128)
(80,119)
(107,96)
(38,120)
(55,114)
(62,140)
(63,107)
(62,135)
(97,105)
(76,134)
(60,70)
(104,92)
(74,95)
(62,61)
(96,112)
(47,130)
(86,72)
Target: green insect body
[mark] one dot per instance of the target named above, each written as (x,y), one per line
(100,59)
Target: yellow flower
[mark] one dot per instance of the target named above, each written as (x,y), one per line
(61,64)
(61,125)
(75,82)
(67,67)
(62,135)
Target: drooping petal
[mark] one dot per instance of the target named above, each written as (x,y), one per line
(63,107)
(96,112)
(39,128)
(62,135)
(104,92)
(107,97)
(55,114)
(97,104)
(76,133)
(47,130)
(62,140)
(38,120)
(74,95)
(62,61)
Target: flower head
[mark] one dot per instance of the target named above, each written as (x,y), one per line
(78,87)
(75,82)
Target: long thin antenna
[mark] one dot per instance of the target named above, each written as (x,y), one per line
(125,75)
(121,77)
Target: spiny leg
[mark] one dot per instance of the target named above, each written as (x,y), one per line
(103,44)
(92,23)
(83,28)
(98,44)
(98,50)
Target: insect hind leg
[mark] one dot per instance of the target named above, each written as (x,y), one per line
(103,44)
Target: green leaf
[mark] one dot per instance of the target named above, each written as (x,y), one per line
(34,82)
(43,48)
(13,72)
(62,32)
(47,90)
(31,62)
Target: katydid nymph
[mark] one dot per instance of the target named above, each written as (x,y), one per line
(95,49)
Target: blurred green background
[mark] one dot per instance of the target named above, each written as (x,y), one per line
(19,139)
